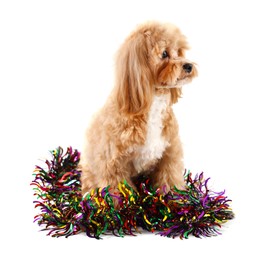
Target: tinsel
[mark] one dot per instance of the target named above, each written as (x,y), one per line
(196,211)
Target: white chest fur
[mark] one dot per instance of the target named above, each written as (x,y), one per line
(155,143)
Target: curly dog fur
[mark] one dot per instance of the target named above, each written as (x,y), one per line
(136,131)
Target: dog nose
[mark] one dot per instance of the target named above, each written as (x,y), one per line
(187,67)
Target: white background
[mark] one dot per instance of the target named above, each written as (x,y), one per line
(56,70)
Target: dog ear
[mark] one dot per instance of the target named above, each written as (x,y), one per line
(176,93)
(134,80)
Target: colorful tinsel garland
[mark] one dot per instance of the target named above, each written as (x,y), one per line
(64,212)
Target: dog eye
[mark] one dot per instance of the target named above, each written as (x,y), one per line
(165,54)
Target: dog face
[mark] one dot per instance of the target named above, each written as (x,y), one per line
(152,57)
(167,58)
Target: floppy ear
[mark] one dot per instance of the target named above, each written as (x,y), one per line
(134,80)
(176,93)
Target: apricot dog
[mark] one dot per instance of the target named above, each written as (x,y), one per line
(136,131)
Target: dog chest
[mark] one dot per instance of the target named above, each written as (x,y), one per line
(155,143)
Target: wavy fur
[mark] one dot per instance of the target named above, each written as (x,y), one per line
(149,75)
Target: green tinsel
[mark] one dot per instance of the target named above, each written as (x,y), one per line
(64,212)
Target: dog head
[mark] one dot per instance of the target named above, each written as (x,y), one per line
(151,58)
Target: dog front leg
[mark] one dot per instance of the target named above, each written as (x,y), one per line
(170,169)
(114,172)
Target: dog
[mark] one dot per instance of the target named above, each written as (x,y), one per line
(136,131)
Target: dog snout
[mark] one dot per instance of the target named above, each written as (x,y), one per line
(187,67)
